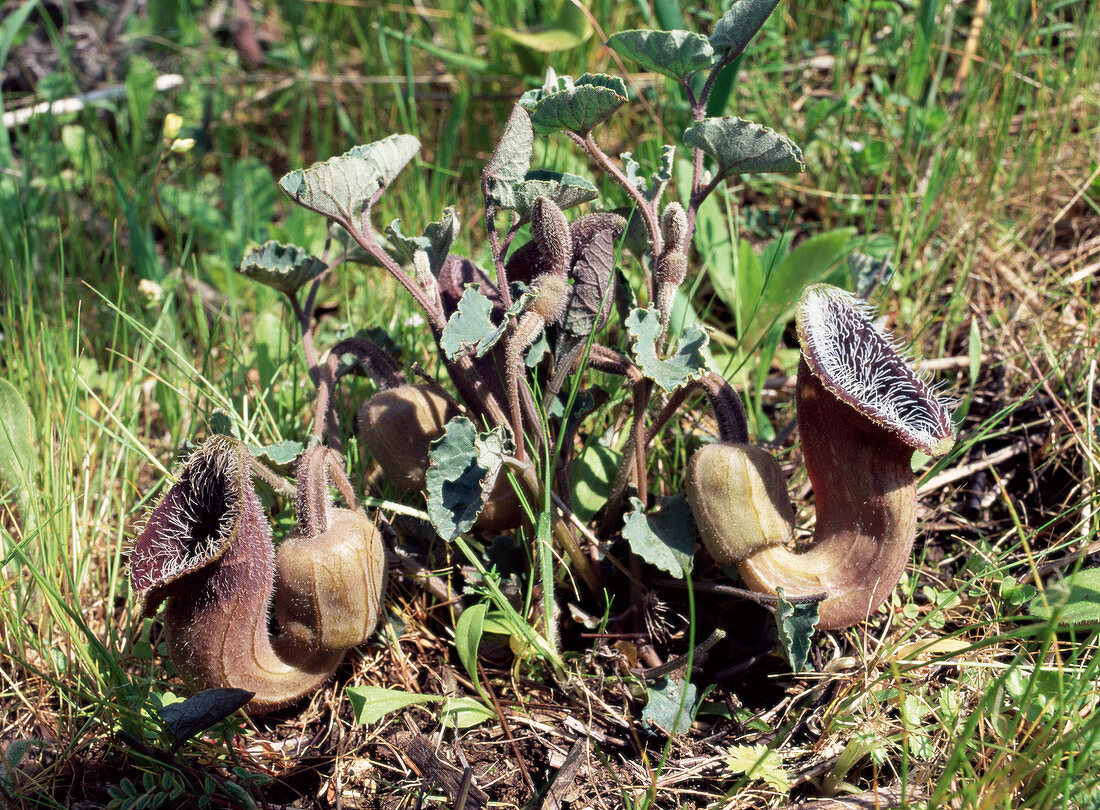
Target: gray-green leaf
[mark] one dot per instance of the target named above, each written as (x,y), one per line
(471,329)
(796,625)
(591,101)
(17,459)
(436,240)
(671,706)
(511,159)
(665,538)
(737,26)
(686,364)
(676,54)
(743,147)
(286,268)
(564,189)
(280,455)
(464,467)
(339,187)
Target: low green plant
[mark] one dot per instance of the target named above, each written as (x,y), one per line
(495,446)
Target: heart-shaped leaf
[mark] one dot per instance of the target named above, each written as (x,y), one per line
(436,240)
(676,54)
(665,538)
(591,101)
(671,706)
(796,624)
(743,147)
(686,364)
(511,159)
(464,467)
(737,26)
(339,188)
(286,268)
(471,329)
(563,189)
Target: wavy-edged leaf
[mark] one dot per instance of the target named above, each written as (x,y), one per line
(17,459)
(286,268)
(591,101)
(471,329)
(511,159)
(339,187)
(651,186)
(665,538)
(388,156)
(687,363)
(369,704)
(796,624)
(202,710)
(744,147)
(280,455)
(737,26)
(675,54)
(563,189)
(464,467)
(436,240)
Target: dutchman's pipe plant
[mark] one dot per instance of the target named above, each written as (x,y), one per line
(515,341)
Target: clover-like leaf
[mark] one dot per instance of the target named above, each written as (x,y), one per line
(665,538)
(591,101)
(796,624)
(676,54)
(200,711)
(436,240)
(464,467)
(286,268)
(737,26)
(339,187)
(511,159)
(686,364)
(563,189)
(743,147)
(671,706)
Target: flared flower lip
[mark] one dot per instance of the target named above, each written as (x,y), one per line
(166,549)
(864,367)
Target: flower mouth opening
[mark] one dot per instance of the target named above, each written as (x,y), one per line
(191,525)
(863,366)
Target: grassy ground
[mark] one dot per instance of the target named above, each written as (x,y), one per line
(962,141)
